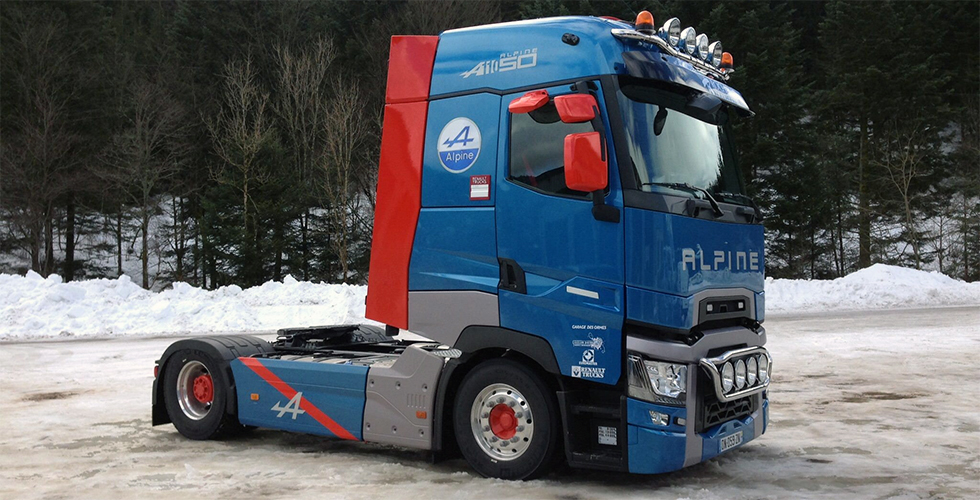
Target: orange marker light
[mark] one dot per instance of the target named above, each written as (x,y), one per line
(644,22)
(255,397)
(726,61)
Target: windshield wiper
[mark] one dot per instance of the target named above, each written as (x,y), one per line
(683,185)
(740,196)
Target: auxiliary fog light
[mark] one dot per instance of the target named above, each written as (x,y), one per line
(688,41)
(765,367)
(667,379)
(727,377)
(702,45)
(740,374)
(715,52)
(671,31)
(752,367)
(659,418)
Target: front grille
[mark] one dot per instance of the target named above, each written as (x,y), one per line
(712,412)
(716,412)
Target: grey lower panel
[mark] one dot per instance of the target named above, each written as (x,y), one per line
(400,399)
(672,351)
(694,446)
(442,316)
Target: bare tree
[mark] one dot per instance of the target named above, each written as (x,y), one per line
(239,131)
(902,161)
(345,132)
(301,105)
(146,155)
(36,164)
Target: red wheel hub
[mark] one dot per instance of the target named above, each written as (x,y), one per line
(503,423)
(204,389)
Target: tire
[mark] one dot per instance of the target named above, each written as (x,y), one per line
(506,421)
(186,398)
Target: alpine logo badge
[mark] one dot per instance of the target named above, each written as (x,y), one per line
(459,145)
(508,61)
(479,187)
(292,407)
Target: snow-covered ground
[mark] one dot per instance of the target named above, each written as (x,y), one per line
(32,307)
(865,404)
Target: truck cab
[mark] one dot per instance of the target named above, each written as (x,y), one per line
(560,211)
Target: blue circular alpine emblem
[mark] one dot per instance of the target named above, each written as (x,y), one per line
(459,145)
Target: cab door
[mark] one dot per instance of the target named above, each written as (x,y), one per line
(561,268)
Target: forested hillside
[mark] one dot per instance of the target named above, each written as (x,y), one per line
(225,143)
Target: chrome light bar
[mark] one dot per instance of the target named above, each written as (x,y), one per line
(715,365)
(701,65)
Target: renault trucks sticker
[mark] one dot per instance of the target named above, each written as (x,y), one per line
(459,145)
(588,372)
(508,61)
(479,187)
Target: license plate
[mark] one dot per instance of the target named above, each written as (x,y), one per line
(729,442)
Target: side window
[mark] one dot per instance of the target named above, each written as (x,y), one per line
(537,150)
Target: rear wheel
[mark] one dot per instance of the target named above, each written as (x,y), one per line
(506,421)
(196,396)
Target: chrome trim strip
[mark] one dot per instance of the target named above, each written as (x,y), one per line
(581,292)
(710,364)
(702,66)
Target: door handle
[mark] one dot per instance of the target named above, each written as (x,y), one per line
(512,276)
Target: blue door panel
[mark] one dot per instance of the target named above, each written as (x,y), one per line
(585,332)
(337,391)
(559,244)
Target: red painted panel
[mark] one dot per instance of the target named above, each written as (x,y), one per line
(397,212)
(410,68)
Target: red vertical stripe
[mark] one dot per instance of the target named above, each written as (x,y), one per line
(287,391)
(399,196)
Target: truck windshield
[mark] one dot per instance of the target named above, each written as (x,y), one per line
(676,149)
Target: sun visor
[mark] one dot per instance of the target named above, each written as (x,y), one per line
(651,65)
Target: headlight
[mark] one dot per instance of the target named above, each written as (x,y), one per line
(740,374)
(667,379)
(688,40)
(702,45)
(752,367)
(657,381)
(727,377)
(671,31)
(765,365)
(715,51)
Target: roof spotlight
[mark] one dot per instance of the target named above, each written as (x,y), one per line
(702,45)
(688,40)
(714,51)
(671,31)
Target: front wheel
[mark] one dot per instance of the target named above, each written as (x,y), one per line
(506,421)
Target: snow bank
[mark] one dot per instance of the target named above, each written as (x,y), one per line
(32,307)
(877,287)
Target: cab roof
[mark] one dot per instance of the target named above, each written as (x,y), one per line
(520,55)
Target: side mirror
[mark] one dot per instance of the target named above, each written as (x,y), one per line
(576,108)
(586,168)
(528,102)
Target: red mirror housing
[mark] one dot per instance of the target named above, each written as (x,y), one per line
(585,162)
(576,108)
(529,102)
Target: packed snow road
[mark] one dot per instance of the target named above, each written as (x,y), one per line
(878,404)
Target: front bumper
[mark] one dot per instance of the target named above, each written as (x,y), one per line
(654,449)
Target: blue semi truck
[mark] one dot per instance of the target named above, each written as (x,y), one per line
(559,210)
